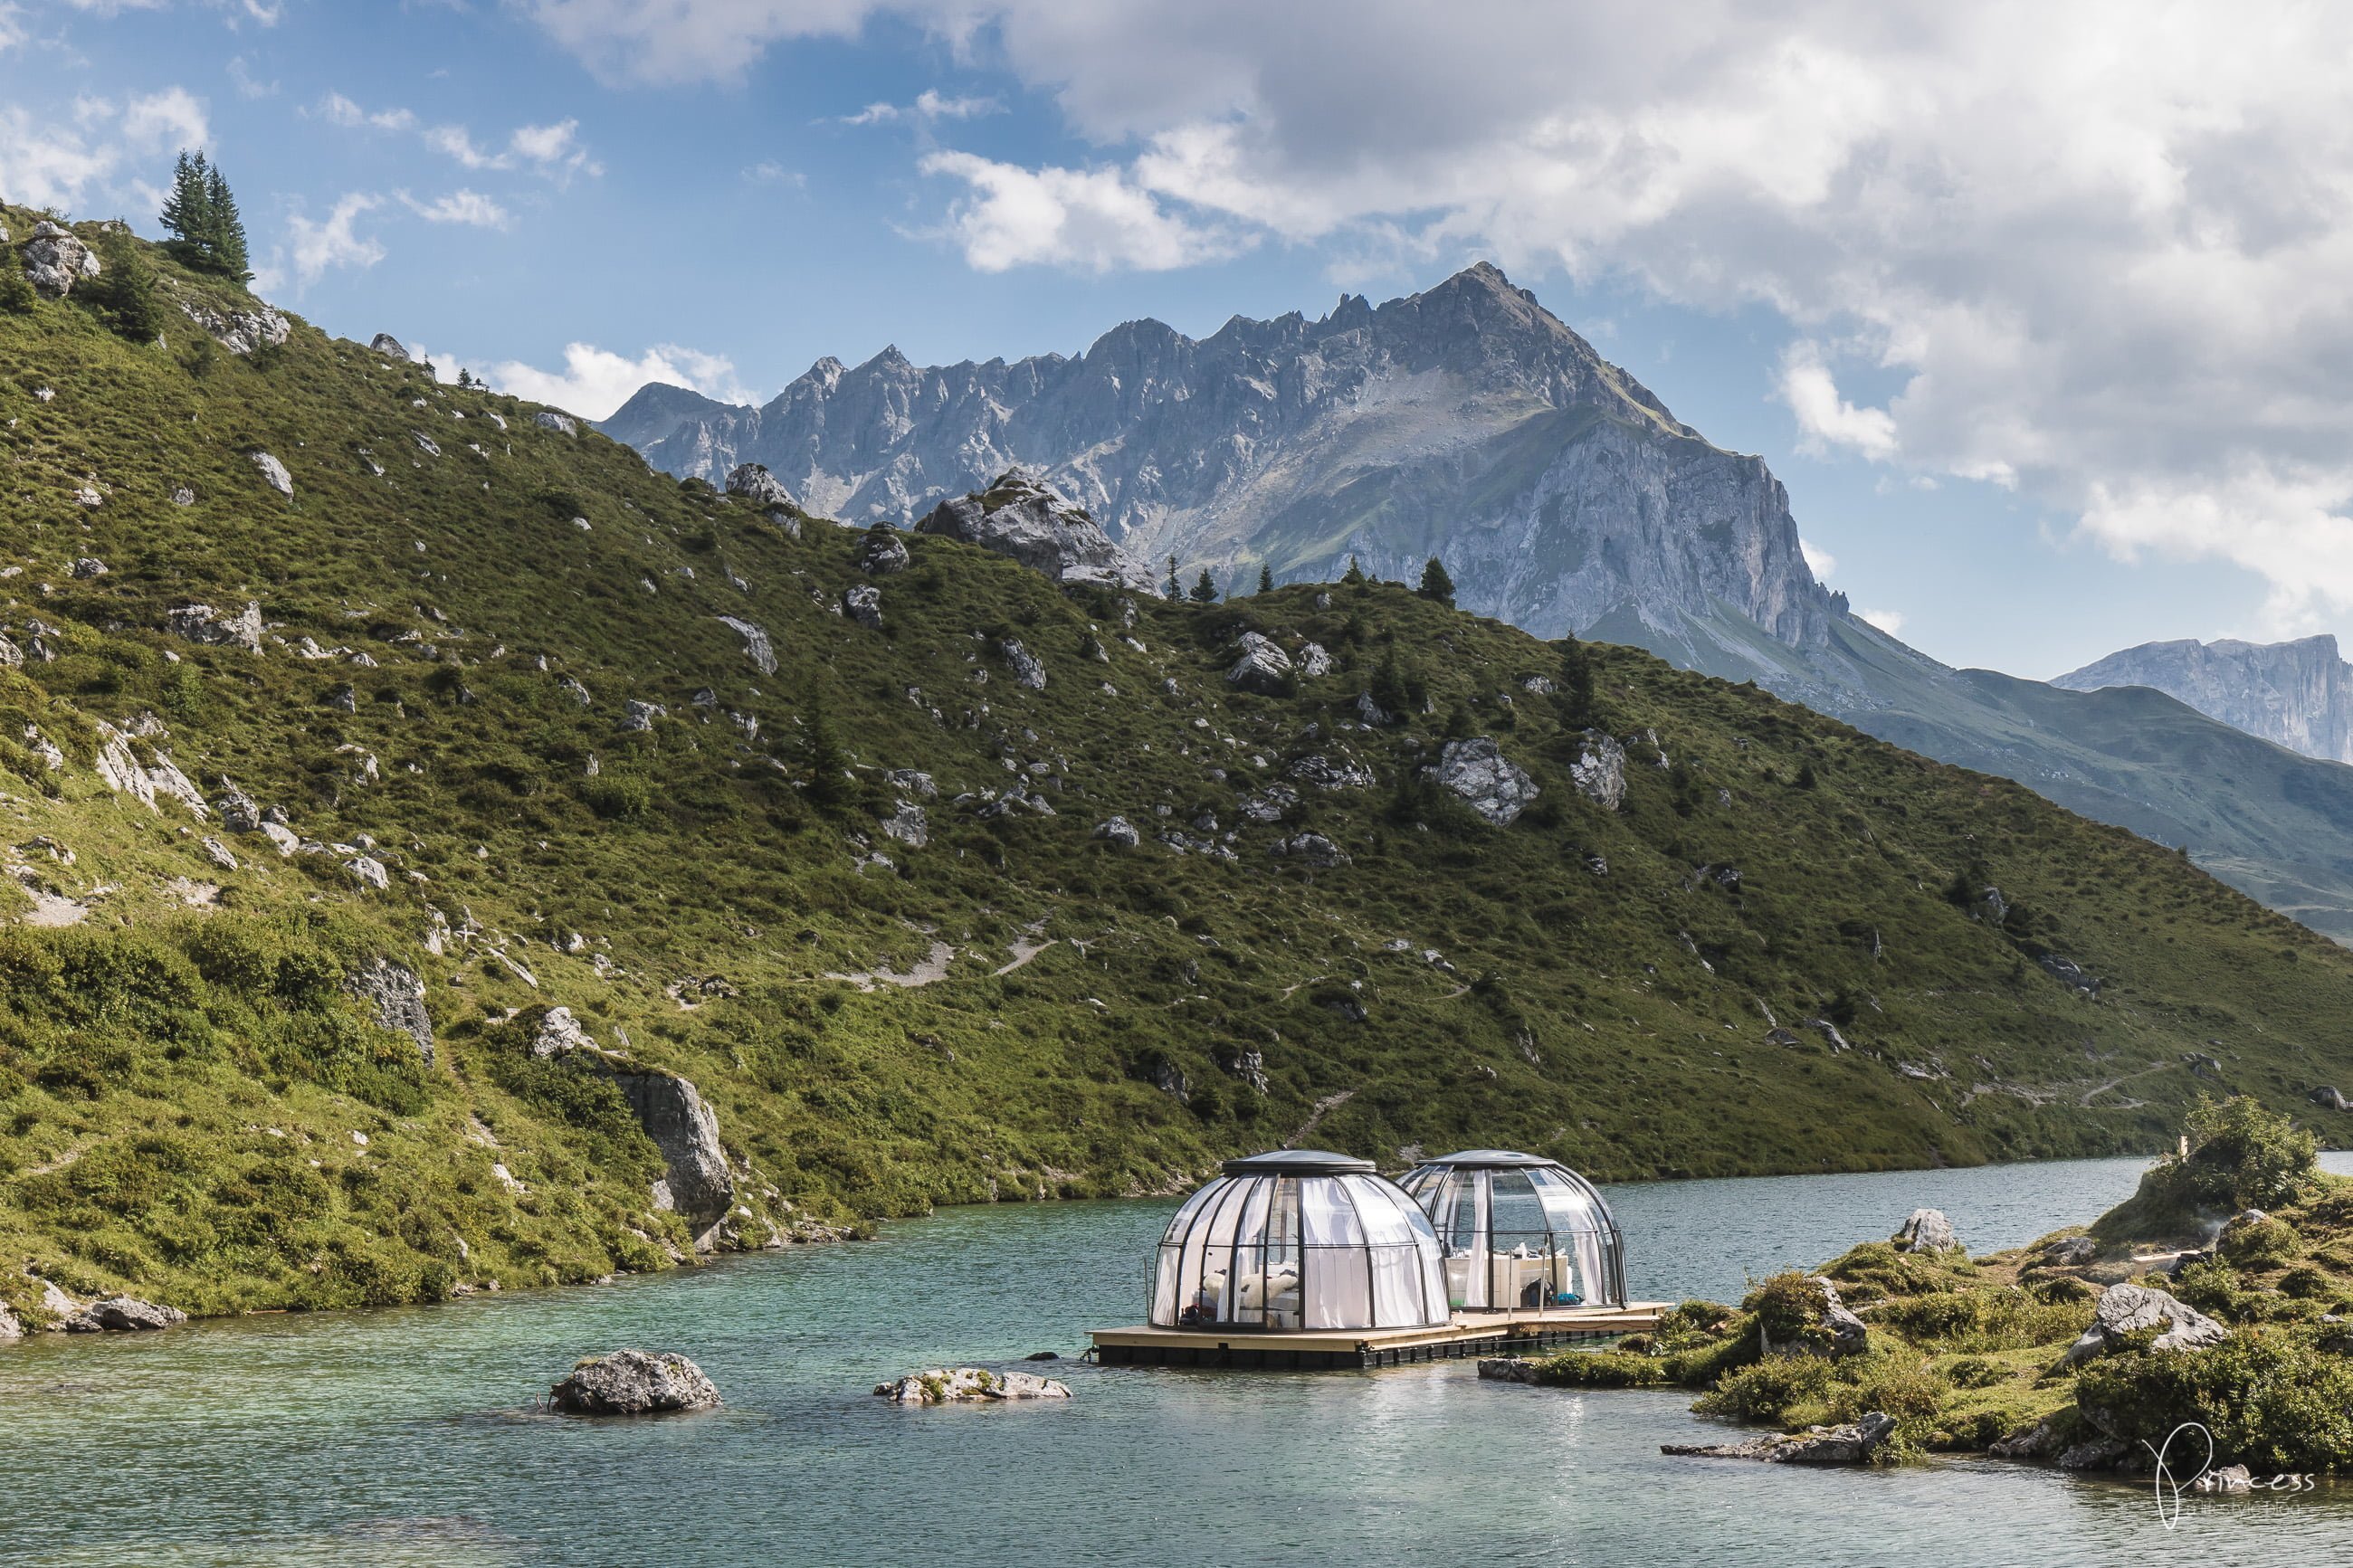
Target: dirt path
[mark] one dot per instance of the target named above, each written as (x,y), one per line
(933,969)
(1024,950)
(1324,1106)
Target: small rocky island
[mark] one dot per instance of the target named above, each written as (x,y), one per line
(634,1383)
(969,1385)
(2220,1293)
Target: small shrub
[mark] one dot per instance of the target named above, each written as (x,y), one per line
(1765,1390)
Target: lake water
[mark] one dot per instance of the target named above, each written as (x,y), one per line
(409,1436)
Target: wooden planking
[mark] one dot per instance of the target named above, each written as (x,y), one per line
(1468,1335)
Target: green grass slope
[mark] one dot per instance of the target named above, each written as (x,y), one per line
(186,1083)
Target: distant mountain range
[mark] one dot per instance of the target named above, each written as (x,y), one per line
(1469,424)
(2296,694)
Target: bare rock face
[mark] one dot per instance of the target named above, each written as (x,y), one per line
(54,260)
(390,347)
(1027,670)
(2127,1309)
(2294,694)
(1491,785)
(757,647)
(969,1385)
(1262,666)
(1927,1230)
(635,1383)
(863,604)
(1022,516)
(882,552)
(1600,771)
(240,331)
(697,1182)
(548,419)
(753,483)
(123,1314)
(1854,1444)
(273,473)
(396,995)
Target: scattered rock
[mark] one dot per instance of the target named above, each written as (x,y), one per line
(2069,975)
(863,604)
(369,872)
(203,624)
(90,566)
(2125,1309)
(882,552)
(183,496)
(395,995)
(1539,684)
(1507,1369)
(1270,804)
(122,1314)
(1477,771)
(908,825)
(1926,1230)
(969,1385)
(1119,832)
(640,716)
(634,1383)
(548,419)
(1370,712)
(220,854)
(1854,1444)
(273,473)
(1600,771)
(1323,773)
(560,1034)
(1262,666)
(1027,670)
(909,781)
(2329,1098)
(1312,849)
(757,645)
(1314,660)
(753,483)
(1022,516)
(240,331)
(54,260)
(390,347)
(2072,1252)
(2042,1440)
(88,496)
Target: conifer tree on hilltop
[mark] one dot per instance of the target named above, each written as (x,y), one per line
(200,212)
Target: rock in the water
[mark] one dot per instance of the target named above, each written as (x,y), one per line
(1262,666)
(54,260)
(2127,1309)
(122,1314)
(696,1183)
(752,482)
(969,1385)
(757,645)
(863,604)
(12,1328)
(548,419)
(1022,516)
(1927,1230)
(634,1383)
(882,552)
(273,473)
(1119,832)
(1854,1444)
(1600,771)
(390,347)
(1027,670)
(1477,771)
(396,995)
(1507,1369)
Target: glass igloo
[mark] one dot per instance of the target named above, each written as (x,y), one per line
(1299,1240)
(1520,1232)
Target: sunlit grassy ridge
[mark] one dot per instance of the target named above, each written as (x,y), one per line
(1618,1019)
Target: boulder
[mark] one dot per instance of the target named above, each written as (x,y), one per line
(1847,1333)
(1926,1230)
(238,332)
(394,994)
(1262,666)
(88,495)
(1323,773)
(183,496)
(882,552)
(1118,832)
(548,419)
(696,1183)
(634,1383)
(12,1328)
(560,1034)
(2072,1252)
(1600,771)
(54,260)
(390,347)
(1315,660)
(863,604)
(220,854)
(89,566)
(1022,516)
(1270,804)
(2070,974)
(910,781)
(1027,670)
(908,825)
(1854,1444)
(1370,712)
(2127,1310)
(753,483)
(1312,849)
(757,645)
(640,716)
(2042,1440)
(2329,1098)
(969,1385)
(1491,785)
(122,1314)
(369,872)
(273,473)
(1507,1369)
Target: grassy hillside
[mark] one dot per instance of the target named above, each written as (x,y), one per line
(185,1081)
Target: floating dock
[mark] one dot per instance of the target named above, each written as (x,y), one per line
(1469,1335)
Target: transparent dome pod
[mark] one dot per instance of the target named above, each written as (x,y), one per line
(1299,1240)
(1520,1231)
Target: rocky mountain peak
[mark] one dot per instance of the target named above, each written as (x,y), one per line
(2296,694)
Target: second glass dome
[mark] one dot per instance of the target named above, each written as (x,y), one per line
(1520,1232)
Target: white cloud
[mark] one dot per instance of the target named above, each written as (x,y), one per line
(248,85)
(43,165)
(317,247)
(460,207)
(11,27)
(337,109)
(771,172)
(165,121)
(56,160)
(551,150)
(2113,280)
(1888,621)
(1090,220)
(455,142)
(594,381)
(1819,561)
(929,105)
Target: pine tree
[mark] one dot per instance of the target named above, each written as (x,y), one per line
(1172,589)
(226,235)
(1355,577)
(1265,579)
(1435,585)
(1575,695)
(830,783)
(123,293)
(187,214)
(1205,591)
(16,296)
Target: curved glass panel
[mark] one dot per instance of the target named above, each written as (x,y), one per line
(1520,1233)
(1309,1251)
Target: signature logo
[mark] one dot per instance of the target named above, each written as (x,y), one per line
(2168,1487)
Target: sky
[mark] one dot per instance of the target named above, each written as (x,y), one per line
(2037,312)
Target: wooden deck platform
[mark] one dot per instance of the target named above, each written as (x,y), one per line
(1471,1334)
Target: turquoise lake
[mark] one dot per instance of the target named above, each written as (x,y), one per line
(410,1436)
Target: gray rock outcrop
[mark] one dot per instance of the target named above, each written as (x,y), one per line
(1261,667)
(2330,1098)
(757,645)
(240,331)
(1477,771)
(635,1383)
(882,552)
(640,716)
(390,347)
(908,824)
(753,483)
(1022,516)
(2124,1311)
(1855,1443)
(1027,670)
(548,419)
(54,260)
(122,1314)
(394,994)
(1312,849)
(862,602)
(969,1385)
(273,473)
(1926,1230)
(560,1034)
(696,1183)
(1600,771)
(1119,833)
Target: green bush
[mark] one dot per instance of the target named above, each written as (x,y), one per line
(2272,1401)
(1601,1369)
(1766,1390)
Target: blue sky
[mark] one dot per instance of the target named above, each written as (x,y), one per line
(2028,467)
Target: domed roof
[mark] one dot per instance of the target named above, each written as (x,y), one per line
(1298,1163)
(1489,1160)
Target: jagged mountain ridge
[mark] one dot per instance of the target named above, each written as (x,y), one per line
(2296,694)
(1297,443)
